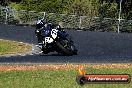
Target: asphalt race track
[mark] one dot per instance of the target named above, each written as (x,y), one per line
(93,47)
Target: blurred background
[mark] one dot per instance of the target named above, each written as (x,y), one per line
(92,15)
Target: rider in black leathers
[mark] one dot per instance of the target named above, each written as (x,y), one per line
(41,26)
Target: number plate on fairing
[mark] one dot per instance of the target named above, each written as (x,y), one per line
(54,33)
(48,40)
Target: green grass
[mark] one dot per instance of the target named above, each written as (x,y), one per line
(12,47)
(55,79)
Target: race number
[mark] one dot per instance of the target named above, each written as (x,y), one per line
(48,40)
(54,33)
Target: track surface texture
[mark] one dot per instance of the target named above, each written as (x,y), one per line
(93,47)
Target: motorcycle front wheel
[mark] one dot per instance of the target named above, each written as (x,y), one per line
(66,47)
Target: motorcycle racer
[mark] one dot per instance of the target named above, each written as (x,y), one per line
(51,37)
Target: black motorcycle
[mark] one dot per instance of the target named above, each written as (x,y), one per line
(52,38)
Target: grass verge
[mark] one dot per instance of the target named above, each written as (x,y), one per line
(59,78)
(12,47)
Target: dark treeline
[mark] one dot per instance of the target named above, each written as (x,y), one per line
(103,8)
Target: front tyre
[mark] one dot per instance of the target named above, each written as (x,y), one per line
(66,48)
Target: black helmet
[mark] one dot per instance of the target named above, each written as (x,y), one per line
(40,23)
